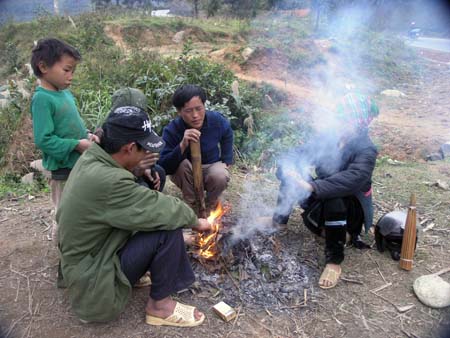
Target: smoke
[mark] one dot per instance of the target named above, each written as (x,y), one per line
(332,79)
(252,207)
(355,52)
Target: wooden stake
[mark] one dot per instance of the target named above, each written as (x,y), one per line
(196,160)
(409,237)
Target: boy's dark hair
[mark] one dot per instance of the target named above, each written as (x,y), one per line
(185,93)
(50,51)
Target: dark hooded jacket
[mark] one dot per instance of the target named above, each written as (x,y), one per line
(342,171)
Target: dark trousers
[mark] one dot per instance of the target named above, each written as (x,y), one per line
(336,216)
(162,176)
(163,253)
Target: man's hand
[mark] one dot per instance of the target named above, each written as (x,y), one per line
(83,145)
(155,179)
(190,135)
(148,161)
(202,225)
(303,184)
(94,138)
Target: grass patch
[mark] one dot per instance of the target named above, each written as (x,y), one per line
(11,186)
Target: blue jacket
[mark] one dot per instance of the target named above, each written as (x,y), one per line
(216,130)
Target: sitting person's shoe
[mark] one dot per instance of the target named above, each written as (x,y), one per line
(182,316)
(144,281)
(330,276)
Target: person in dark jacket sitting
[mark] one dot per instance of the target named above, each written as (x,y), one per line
(212,130)
(339,198)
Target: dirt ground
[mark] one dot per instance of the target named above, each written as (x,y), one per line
(408,128)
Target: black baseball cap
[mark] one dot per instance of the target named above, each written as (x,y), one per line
(132,124)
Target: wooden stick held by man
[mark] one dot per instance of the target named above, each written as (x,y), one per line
(196,160)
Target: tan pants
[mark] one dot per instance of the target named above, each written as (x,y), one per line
(215,180)
(56,187)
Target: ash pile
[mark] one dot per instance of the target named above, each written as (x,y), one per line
(264,268)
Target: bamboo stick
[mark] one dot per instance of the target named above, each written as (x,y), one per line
(196,160)
(409,237)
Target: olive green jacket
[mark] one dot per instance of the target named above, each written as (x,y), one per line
(101,208)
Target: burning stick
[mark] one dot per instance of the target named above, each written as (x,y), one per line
(409,237)
(196,160)
(208,242)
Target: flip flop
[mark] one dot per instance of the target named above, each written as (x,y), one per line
(182,316)
(330,275)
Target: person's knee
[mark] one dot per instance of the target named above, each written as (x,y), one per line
(185,165)
(217,180)
(335,212)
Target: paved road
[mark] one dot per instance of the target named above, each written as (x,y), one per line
(442,45)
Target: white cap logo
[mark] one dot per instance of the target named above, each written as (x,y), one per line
(147,125)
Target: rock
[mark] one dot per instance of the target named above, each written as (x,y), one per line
(4,103)
(21,89)
(28,178)
(393,93)
(441,184)
(37,165)
(220,53)
(434,157)
(247,52)
(433,291)
(394,162)
(445,149)
(4,96)
(178,37)
(29,69)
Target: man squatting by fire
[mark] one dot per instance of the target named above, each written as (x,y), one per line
(113,230)
(339,199)
(196,124)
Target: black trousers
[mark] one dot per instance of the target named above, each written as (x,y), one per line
(163,253)
(335,216)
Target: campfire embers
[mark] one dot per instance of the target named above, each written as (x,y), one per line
(208,242)
(257,270)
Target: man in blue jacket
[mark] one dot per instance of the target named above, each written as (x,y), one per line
(196,124)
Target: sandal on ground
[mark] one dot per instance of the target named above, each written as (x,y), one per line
(144,281)
(329,275)
(182,316)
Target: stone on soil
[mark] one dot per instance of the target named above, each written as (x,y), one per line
(247,52)
(433,291)
(393,93)
(28,178)
(178,37)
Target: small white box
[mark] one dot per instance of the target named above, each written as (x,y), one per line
(224,311)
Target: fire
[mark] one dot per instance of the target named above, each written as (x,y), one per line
(207,242)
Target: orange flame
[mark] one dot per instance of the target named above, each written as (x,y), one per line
(207,242)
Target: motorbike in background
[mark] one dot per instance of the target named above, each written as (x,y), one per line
(414,32)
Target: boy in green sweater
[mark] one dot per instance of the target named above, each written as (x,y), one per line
(58,128)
